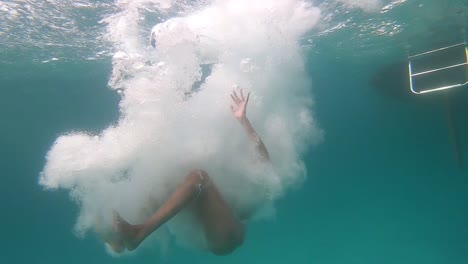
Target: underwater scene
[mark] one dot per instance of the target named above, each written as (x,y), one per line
(234,131)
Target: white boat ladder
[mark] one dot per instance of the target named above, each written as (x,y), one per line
(422,90)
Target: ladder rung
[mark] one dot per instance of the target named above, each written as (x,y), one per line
(440,88)
(439,69)
(432,51)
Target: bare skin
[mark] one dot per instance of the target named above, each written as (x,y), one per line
(222,228)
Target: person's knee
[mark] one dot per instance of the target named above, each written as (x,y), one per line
(198,175)
(228,243)
(201,173)
(198,178)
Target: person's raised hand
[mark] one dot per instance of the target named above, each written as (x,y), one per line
(239,106)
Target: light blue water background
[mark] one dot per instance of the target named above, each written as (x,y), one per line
(383,187)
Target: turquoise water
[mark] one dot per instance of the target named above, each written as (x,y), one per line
(384,186)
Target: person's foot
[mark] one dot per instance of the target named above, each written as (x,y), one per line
(108,236)
(127,233)
(116,245)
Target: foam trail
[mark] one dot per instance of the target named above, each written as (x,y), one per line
(168,126)
(366,5)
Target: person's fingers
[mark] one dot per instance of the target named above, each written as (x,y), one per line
(234,99)
(242,95)
(237,97)
(232,108)
(247,100)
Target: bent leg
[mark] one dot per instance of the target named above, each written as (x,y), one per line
(133,235)
(223,232)
(222,229)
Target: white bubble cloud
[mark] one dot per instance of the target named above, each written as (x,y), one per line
(175,113)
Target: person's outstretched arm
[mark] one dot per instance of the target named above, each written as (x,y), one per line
(239,110)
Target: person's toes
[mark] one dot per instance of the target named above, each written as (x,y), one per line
(116,246)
